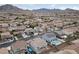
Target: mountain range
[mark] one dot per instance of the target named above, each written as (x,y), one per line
(41,11)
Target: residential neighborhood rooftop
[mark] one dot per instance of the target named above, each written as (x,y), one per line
(40,31)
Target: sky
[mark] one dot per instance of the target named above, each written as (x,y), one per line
(48,6)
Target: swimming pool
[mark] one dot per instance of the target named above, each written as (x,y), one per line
(56,42)
(52,39)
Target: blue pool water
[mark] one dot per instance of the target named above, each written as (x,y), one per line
(52,39)
(56,42)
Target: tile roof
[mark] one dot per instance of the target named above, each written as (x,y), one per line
(3,51)
(19,45)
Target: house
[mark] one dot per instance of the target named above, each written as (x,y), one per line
(26,22)
(17,28)
(29,31)
(49,36)
(60,34)
(19,46)
(39,20)
(5,35)
(58,23)
(4,29)
(12,17)
(25,35)
(38,30)
(17,32)
(13,24)
(6,38)
(69,30)
(38,44)
(52,39)
(4,25)
(19,36)
(4,51)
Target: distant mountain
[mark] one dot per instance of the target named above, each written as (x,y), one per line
(68,9)
(46,10)
(13,9)
(36,12)
(9,8)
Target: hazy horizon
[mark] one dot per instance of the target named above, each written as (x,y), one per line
(47,6)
